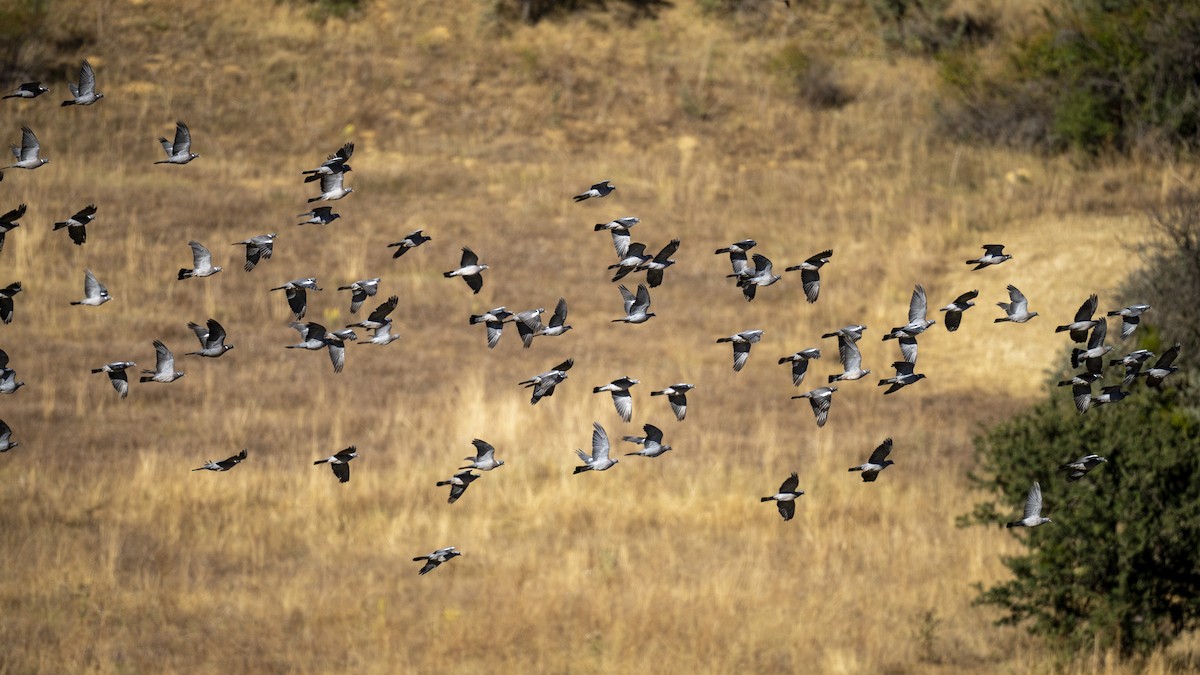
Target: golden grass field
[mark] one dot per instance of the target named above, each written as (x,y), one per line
(116,558)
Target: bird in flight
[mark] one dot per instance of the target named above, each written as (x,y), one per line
(84,93)
(179,152)
(340,463)
(786,497)
(225,464)
(600,189)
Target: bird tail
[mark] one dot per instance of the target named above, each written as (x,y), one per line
(314,199)
(600,226)
(765,499)
(76,303)
(97,370)
(448,275)
(59,226)
(320,461)
(657,393)
(185,273)
(1002,319)
(724,339)
(580,469)
(312,178)
(443,482)
(597,390)
(1011,525)
(834,378)
(67,103)
(146,378)
(1062,329)
(856,468)
(580,198)
(344,288)
(1116,312)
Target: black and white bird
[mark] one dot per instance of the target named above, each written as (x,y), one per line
(436,558)
(1162,367)
(212,339)
(636,306)
(917,324)
(322,215)
(810,274)
(340,463)
(632,260)
(484,458)
(599,459)
(257,249)
(850,357)
(77,224)
(528,323)
(94,292)
(117,375)
(677,395)
(853,333)
(655,266)
(359,292)
(8,222)
(799,362)
(737,255)
(27,90)
(84,93)
(493,320)
(1083,320)
(458,483)
(312,336)
(335,341)
(1093,356)
(225,464)
(28,155)
(335,163)
(378,316)
(619,229)
(9,384)
(201,263)
(1080,467)
(1033,509)
(332,188)
(954,310)
(558,321)
(164,366)
(179,152)
(382,334)
(297,294)
(1130,318)
(410,241)
(600,189)
(904,377)
(762,274)
(1133,364)
(1107,395)
(6,301)
(993,254)
(1017,309)
(652,445)
(821,399)
(6,442)
(620,395)
(876,463)
(1081,389)
(470,269)
(786,497)
(741,345)
(543,385)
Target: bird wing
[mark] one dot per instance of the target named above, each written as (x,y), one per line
(120,381)
(678,405)
(216,333)
(667,251)
(790,484)
(787,509)
(91,286)
(1087,309)
(201,256)
(342,471)
(474,281)
(849,354)
(600,446)
(331,182)
(201,333)
(917,306)
(621,237)
(908,348)
(560,314)
(484,450)
(87,80)
(966,297)
(1019,304)
(762,265)
(953,319)
(799,368)
(643,298)
(381,312)
(183,140)
(469,258)
(624,403)
(164,361)
(881,452)
(653,433)
(1099,332)
(820,406)
(1168,357)
(298,301)
(993,249)
(1033,503)
(628,297)
(29,145)
(811,279)
(741,352)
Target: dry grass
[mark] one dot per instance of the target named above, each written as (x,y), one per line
(117,559)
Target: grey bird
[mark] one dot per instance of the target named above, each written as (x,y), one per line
(528,324)
(28,155)
(558,321)
(762,274)
(853,333)
(410,241)
(179,152)
(469,269)
(8,222)
(737,255)
(598,190)
(1130,317)
(257,249)
(1081,389)
(810,274)
(652,445)
(904,377)
(225,464)
(655,266)
(117,375)
(1017,310)
(619,229)
(620,395)
(636,306)
(1162,367)
(27,90)
(340,463)
(436,558)
(543,385)
(799,362)
(322,215)
(993,254)
(1133,364)
(599,459)
(84,93)
(851,359)
(332,188)
(484,458)
(821,399)
(1080,467)
(335,163)
(378,316)
(677,396)
(77,224)
(6,442)
(917,323)
(1033,509)
(876,463)
(741,346)
(1107,395)
(1096,349)
(382,334)
(201,263)
(6,301)
(458,483)
(954,310)
(1083,320)
(312,336)
(297,294)
(633,258)
(335,341)
(494,321)
(164,366)
(360,291)
(9,384)
(786,497)
(94,292)
(212,339)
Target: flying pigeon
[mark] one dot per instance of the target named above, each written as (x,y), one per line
(28,90)
(458,484)
(954,310)
(877,462)
(741,346)
(322,215)
(655,266)
(164,366)
(821,399)
(620,396)
(1162,367)
(179,152)
(312,336)
(677,395)
(27,155)
(528,323)
(1133,364)
(410,241)
(336,163)
(212,339)
(1096,349)
(225,464)
(360,291)
(77,224)
(436,558)
(379,316)
(331,188)
(85,92)
(1107,395)
(993,254)
(6,301)
(634,257)
(785,499)
(600,189)
(1130,317)
(737,255)
(1033,509)
(383,334)
(557,321)
(810,274)
(297,295)
(904,377)
(652,445)
(94,292)
(469,269)
(1083,320)
(485,457)
(619,229)
(599,459)
(851,358)
(917,323)
(853,333)
(9,384)
(201,263)
(1017,310)
(336,342)
(762,274)
(494,321)
(1080,467)
(117,375)
(8,222)
(1081,389)
(543,385)
(636,306)
(6,442)
(340,463)
(799,362)
(257,249)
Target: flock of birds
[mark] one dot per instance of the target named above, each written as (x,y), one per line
(750,272)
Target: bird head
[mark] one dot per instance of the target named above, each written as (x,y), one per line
(499,462)
(666,448)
